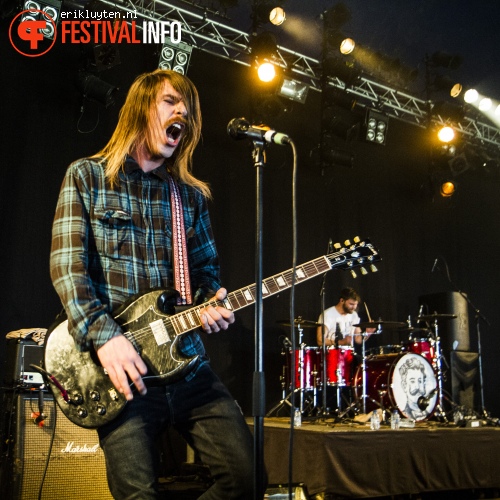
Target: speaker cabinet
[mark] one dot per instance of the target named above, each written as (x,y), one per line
(74,459)
(464,378)
(454,333)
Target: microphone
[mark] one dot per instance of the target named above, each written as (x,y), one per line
(434,265)
(423,401)
(240,128)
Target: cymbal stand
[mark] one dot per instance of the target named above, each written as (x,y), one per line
(363,367)
(287,398)
(302,373)
(438,366)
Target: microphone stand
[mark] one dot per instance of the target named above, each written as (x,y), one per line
(323,411)
(259,161)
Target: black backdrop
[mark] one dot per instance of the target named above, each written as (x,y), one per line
(384,197)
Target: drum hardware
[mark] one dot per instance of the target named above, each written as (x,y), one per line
(306,365)
(379,325)
(438,357)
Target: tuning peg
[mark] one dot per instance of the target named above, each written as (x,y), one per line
(373,268)
(337,246)
(347,243)
(353,273)
(363,271)
(356,239)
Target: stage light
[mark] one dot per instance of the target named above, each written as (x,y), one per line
(332,123)
(175,56)
(51,8)
(294,90)
(471,96)
(347,46)
(446,84)
(376,127)
(497,110)
(333,156)
(265,12)
(277,16)
(485,104)
(447,189)
(266,72)
(446,134)
(95,89)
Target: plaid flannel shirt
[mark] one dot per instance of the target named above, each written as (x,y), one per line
(109,244)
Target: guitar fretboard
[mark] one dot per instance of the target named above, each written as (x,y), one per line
(188,320)
(346,258)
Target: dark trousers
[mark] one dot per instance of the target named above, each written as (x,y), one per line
(205,414)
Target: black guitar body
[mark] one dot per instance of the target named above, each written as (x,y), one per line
(81,386)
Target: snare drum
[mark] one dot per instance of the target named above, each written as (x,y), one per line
(339,363)
(421,346)
(307,368)
(397,380)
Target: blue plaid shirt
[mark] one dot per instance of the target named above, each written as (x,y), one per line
(109,244)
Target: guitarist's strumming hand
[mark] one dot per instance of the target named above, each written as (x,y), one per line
(214,319)
(122,362)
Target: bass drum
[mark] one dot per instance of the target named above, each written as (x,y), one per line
(398,381)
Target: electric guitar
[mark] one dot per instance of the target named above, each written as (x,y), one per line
(80,384)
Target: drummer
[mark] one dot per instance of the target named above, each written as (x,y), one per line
(339,321)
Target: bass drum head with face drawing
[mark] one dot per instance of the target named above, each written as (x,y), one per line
(412,377)
(390,377)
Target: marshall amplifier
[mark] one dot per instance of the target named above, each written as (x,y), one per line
(70,466)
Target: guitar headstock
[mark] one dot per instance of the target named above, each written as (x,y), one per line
(360,253)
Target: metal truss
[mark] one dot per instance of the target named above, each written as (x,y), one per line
(229,43)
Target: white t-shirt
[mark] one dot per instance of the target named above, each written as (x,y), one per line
(335,321)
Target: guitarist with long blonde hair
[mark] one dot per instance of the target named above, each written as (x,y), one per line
(129,219)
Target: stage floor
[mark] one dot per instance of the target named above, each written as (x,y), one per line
(349,460)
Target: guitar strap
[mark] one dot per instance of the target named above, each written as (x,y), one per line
(179,247)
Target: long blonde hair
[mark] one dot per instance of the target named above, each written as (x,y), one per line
(135,127)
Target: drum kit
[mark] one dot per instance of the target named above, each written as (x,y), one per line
(407,377)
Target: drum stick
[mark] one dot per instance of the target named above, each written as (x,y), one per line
(368,313)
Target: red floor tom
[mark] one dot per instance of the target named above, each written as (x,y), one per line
(307,368)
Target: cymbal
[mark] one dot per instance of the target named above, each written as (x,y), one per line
(432,317)
(303,323)
(376,324)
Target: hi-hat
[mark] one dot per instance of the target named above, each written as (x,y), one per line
(304,323)
(377,324)
(435,316)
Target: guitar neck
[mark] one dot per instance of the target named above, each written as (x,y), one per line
(345,258)
(246,296)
